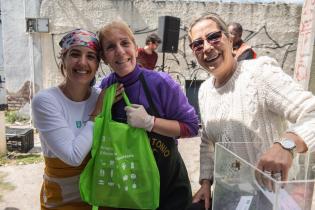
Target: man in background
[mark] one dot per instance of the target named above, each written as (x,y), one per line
(241,50)
(147,57)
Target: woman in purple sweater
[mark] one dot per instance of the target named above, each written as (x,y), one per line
(158,105)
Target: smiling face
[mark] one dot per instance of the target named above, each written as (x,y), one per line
(119,51)
(80,64)
(216,56)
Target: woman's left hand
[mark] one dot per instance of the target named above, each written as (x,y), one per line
(138,117)
(275,163)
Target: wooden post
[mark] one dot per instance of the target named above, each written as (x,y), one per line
(3,106)
(3,142)
(304,52)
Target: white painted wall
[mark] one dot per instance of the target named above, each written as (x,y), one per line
(272,29)
(2,75)
(1,43)
(240,1)
(16,42)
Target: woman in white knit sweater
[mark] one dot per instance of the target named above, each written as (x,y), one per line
(248,101)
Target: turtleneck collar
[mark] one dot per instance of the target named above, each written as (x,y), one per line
(130,78)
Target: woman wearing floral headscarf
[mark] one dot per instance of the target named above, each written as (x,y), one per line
(61,115)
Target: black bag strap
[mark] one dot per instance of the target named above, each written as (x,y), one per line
(148,95)
(169,141)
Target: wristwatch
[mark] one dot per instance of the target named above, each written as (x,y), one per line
(289,145)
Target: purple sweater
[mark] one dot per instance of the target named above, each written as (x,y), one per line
(167,96)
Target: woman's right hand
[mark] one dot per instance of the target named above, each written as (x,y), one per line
(204,194)
(99,103)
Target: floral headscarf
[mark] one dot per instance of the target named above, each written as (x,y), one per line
(79,37)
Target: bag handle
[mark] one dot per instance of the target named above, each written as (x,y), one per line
(126,99)
(108,101)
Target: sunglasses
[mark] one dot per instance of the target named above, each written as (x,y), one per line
(212,38)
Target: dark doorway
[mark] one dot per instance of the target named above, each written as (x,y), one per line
(192,88)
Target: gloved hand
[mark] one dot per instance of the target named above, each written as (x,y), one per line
(138,117)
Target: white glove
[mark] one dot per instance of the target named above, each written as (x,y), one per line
(138,117)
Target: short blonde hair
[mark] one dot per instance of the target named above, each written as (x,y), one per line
(209,16)
(116,24)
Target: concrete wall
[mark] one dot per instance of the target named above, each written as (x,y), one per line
(1,43)
(312,74)
(272,29)
(2,75)
(91,15)
(21,51)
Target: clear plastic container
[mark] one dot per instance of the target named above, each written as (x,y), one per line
(236,186)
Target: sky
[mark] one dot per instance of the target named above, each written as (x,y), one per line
(248,1)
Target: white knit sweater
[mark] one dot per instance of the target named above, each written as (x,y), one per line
(253,106)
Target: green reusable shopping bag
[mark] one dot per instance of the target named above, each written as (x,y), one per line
(122,172)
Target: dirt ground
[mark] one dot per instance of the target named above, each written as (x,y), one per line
(20,184)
